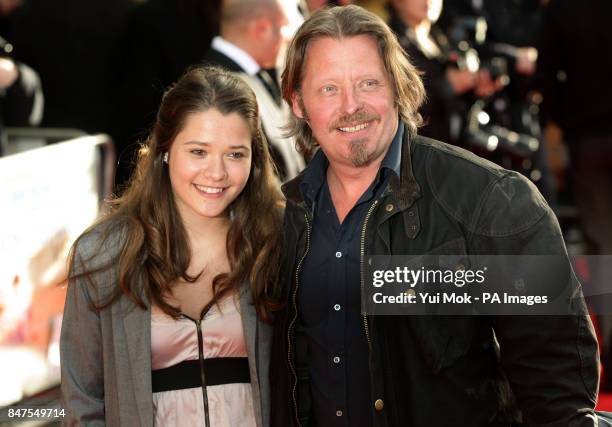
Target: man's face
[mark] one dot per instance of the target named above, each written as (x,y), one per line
(348,100)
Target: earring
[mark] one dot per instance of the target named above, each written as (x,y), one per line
(165,157)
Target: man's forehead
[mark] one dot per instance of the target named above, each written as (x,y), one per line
(323,45)
(341,40)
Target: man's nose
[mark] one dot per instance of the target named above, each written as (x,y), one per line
(350,100)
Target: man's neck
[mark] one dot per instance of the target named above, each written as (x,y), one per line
(347,183)
(237,50)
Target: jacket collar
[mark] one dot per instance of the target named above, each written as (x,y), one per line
(405,190)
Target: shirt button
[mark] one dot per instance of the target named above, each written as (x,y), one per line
(379,404)
(338,413)
(338,254)
(337,307)
(336,359)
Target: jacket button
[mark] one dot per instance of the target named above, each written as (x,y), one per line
(379,404)
(389,207)
(410,292)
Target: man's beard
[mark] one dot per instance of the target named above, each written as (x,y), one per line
(359,154)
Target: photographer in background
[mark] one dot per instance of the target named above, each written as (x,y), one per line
(450,89)
(475,87)
(21,98)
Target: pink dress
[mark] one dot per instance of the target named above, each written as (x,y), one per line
(176,341)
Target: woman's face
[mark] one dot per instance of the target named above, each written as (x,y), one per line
(209,164)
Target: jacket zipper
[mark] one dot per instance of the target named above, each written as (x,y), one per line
(292,323)
(362,256)
(202,372)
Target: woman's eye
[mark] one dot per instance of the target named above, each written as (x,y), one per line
(236,155)
(197,152)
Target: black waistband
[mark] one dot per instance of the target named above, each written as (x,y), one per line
(222,370)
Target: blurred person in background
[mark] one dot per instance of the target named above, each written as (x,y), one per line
(313,5)
(161,39)
(574,69)
(475,99)
(9,9)
(71,45)
(252,34)
(21,96)
(445,83)
(164,322)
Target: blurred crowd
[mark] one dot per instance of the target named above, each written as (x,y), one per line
(524,83)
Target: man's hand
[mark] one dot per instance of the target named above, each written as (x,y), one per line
(486,86)
(462,81)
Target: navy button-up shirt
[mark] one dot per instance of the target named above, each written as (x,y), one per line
(329,298)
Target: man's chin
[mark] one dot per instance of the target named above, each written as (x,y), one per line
(359,156)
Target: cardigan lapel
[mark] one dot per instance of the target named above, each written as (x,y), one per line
(248,315)
(137,324)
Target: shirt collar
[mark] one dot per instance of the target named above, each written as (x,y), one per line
(236,54)
(315,174)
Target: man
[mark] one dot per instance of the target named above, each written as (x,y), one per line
(375,188)
(251,37)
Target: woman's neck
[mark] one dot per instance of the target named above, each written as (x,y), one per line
(204,231)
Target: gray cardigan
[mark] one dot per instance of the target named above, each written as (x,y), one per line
(106,356)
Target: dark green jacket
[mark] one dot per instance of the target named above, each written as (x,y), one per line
(441,370)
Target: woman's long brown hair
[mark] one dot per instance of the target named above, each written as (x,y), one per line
(155,251)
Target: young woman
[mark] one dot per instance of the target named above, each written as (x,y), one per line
(168,294)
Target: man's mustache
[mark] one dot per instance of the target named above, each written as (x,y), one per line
(357,117)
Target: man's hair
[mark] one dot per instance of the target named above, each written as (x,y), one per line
(155,252)
(347,21)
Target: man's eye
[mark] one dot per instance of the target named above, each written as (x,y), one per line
(328,89)
(369,83)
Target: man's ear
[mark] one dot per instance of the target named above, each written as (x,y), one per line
(260,27)
(296,104)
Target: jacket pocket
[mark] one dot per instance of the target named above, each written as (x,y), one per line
(442,340)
